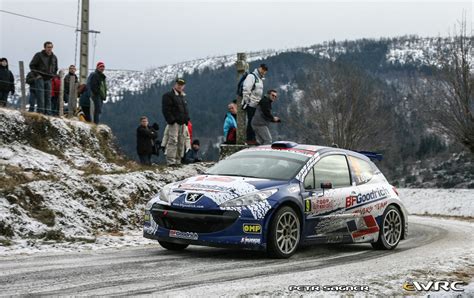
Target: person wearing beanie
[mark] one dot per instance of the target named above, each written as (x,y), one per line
(96,83)
(193,155)
(7,82)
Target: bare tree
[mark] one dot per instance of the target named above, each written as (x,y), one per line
(449,107)
(346,109)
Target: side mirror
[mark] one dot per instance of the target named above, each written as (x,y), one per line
(326,185)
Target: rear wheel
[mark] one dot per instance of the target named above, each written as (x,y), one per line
(172,246)
(390,230)
(284,233)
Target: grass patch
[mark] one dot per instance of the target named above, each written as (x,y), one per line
(38,133)
(6,230)
(55,235)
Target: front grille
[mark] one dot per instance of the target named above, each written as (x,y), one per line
(198,221)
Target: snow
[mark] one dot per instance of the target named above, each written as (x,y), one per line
(443,202)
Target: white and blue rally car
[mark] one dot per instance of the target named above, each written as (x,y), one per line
(278,197)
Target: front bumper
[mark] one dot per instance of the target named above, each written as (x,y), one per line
(217,228)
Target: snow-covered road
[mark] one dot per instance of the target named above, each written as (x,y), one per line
(437,249)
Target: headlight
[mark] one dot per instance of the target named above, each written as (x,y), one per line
(163,196)
(250,198)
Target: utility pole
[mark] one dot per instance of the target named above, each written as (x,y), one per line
(242,67)
(84,60)
(84,68)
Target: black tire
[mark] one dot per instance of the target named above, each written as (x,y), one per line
(391,229)
(172,246)
(282,243)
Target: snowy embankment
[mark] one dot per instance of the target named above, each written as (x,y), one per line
(439,202)
(65,181)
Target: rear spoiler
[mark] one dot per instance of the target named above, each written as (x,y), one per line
(372,155)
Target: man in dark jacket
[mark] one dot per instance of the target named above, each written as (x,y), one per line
(45,65)
(263,117)
(175,111)
(146,136)
(193,155)
(67,80)
(98,89)
(7,82)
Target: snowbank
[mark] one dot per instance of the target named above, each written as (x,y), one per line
(65,180)
(444,202)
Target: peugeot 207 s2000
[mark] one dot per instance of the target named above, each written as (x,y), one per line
(278,197)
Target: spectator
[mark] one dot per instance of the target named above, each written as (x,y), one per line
(7,82)
(193,155)
(251,94)
(85,100)
(230,124)
(175,111)
(98,89)
(146,136)
(55,89)
(67,79)
(263,117)
(45,65)
(31,78)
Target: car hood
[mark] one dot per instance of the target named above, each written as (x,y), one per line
(210,191)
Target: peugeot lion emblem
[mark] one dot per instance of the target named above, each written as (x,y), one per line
(193,197)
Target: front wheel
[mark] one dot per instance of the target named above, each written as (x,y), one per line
(284,233)
(391,230)
(172,246)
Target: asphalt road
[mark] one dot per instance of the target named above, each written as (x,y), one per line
(151,270)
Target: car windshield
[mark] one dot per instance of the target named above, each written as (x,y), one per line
(278,165)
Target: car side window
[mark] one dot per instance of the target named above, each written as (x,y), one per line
(334,169)
(362,170)
(309,180)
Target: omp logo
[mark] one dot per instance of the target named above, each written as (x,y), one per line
(252,228)
(183,235)
(193,197)
(431,285)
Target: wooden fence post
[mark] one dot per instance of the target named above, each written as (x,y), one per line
(61,93)
(23,88)
(72,96)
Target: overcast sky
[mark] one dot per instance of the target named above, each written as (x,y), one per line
(142,34)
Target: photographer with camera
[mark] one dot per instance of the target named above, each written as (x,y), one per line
(263,117)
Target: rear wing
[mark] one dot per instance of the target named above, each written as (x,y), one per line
(372,155)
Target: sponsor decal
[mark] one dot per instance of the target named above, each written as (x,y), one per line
(252,228)
(359,229)
(192,197)
(215,179)
(183,235)
(248,240)
(319,204)
(361,199)
(369,209)
(431,285)
(147,216)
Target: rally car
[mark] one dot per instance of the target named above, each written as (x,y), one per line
(277,198)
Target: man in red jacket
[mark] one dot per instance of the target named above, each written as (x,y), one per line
(55,88)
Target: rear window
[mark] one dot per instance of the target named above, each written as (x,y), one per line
(363,171)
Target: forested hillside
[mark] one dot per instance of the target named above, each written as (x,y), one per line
(366,89)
